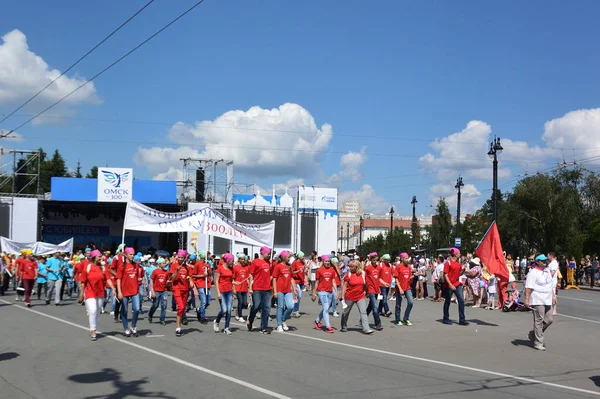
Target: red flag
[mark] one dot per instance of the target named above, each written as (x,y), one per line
(490,253)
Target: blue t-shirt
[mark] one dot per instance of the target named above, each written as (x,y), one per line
(53,266)
(41,270)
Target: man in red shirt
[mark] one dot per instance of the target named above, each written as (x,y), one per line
(158,290)
(385,280)
(19,264)
(298,274)
(201,278)
(452,271)
(128,291)
(260,272)
(403,275)
(372,273)
(240,285)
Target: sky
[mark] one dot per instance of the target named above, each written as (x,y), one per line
(382,100)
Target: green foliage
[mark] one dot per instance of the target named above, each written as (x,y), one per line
(93,173)
(401,242)
(441,231)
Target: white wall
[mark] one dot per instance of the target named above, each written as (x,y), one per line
(24,213)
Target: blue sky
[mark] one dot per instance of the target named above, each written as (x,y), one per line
(389,77)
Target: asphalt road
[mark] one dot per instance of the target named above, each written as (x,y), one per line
(45,352)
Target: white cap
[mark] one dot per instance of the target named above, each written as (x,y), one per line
(356,257)
(152,260)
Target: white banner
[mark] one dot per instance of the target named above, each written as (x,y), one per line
(317,198)
(115,185)
(38,248)
(204,220)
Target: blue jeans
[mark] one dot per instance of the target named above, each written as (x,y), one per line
(242,302)
(108,297)
(135,310)
(373,308)
(326,298)
(204,302)
(409,304)
(383,303)
(192,299)
(299,288)
(141,295)
(459,298)
(160,298)
(226,303)
(333,303)
(261,299)
(284,300)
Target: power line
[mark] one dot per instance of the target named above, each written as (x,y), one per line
(78,61)
(108,67)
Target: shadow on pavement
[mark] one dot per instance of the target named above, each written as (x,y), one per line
(596,380)
(123,388)
(522,342)
(8,356)
(482,323)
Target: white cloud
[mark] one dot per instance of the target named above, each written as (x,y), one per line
(370,201)
(350,163)
(282,141)
(577,133)
(23,73)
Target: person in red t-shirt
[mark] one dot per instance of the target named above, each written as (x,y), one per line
(260,277)
(385,282)
(224,285)
(29,272)
(240,285)
(284,290)
(93,281)
(299,276)
(372,272)
(452,285)
(403,276)
(181,286)
(326,287)
(19,264)
(201,277)
(354,289)
(158,290)
(128,291)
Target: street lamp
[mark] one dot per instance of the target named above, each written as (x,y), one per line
(495,150)
(391,228)
(459,184)
(414,221)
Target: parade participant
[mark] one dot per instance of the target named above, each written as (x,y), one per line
(338,283)
(55,269)
(19,266)
(553,267)
(7,274)
(385,282)
(137,259)
(240,285)
(93,280)
(28,275)
(403,276)
(158,290)
(452,285)
(260,272)
(372,274)
(326,289)
(299,276)
(284,290)
(313,265)
(201,278)
(117,262)
(128,291)
(181,287)
(42,281)
(108,295)
(224,286)
(191,265)
(354,289)
(540,296)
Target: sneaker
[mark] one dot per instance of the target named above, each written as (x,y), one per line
(134,332)
(329,330)
(204,321)
(237,318)
(163,323)
(178,332)
(399,323)
(447,322)
(227,331)
(463,323)
(336,314)
(344,329)
(184,322)
(267,332)
(249,325)
(93,338)
(379,327)
(296,314)
(149,319)
(369,331)
(539,347)
(103,311)
(28,305)
(242,320)
(279,329)
(285,327)
(408,323)
(531,336)
(127,333)
(112,313)
(317,325)
(216,326)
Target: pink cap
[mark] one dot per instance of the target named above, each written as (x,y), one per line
(228,257)
(182,253)
(284,253)
(454,251)
(95,253)
(403,255)
(264,250)
(129,250)
(325,258)
(372,254)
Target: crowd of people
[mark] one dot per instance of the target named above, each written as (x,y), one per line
(100,280)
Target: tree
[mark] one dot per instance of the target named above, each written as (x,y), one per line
(440,233)
(77,173)
(401,242)
(54,167)
(93,173)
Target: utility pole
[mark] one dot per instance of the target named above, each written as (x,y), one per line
(341,238)
(459,184)
(391,228)
(360,227)
(414,222)
(348,237)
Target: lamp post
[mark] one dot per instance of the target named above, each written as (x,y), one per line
(414,221)
(391,228)
(360,227)
(341,238)
(348,237)
(459,184)
(495,150)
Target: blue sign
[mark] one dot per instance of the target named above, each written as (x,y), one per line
(457,242)
(75,230)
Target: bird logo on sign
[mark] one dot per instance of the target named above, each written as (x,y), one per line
(114,178)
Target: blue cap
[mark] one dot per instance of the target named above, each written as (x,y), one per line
(136,258)
(140,254)
(88,250)
(541,257)
(192,257)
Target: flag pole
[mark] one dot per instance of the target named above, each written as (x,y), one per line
(486,233)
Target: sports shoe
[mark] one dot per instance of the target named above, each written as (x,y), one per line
(149,319)
(93,338)
(184,322)
(379,327)
(463,323)
(408,323)
(279,329)
(296,314)
(329,330)
(249,325)
(449,322)
(227,331)
(112,313)
(134,332)
(237,318)
(242,320)
(399,323)
(336,314)
(285,327)
(317,325)
(267,332)
(539,347)
(178,332)
(216,326)
(127,333)
(103,311)
(163,323)
(344,329)
(369,331)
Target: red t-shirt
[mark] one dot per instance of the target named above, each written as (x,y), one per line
(201,268)
(19,265)
(159,279)
(128,274)
(225,278)
(452,269)
(82,266)
(29,268)
(117,262)
(240,273)
(109,277)
(324,278)
(283,275)
(94,281)
(261,272)
(355,289)
(372,272)
(404,276)
(386,273)
(298,266)
(180,283)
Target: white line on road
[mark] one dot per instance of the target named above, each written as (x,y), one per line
(153,336)
(163,355)
(579,318)
(573,299)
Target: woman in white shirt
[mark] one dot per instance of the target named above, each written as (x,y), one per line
(540,297)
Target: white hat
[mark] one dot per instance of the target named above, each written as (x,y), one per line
(476,261)
(152,260)
(356,257)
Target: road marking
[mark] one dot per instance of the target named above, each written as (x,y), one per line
(574,299)
(440,363)
(160,354)
(153,336)
(578,318)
